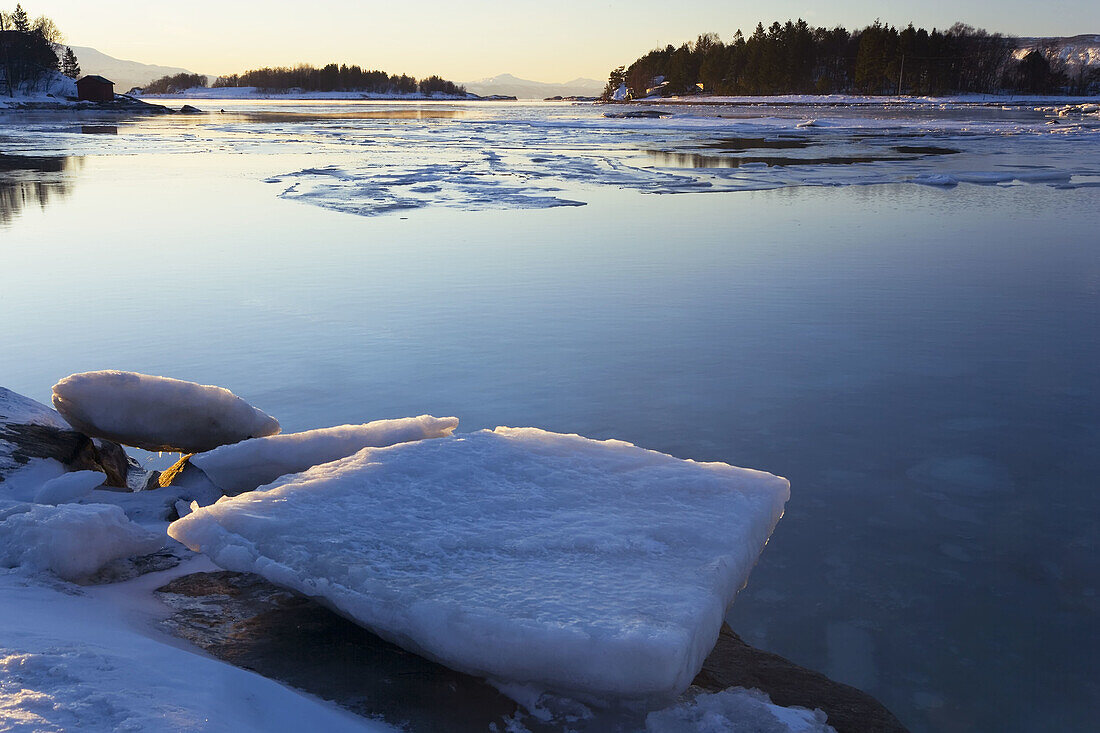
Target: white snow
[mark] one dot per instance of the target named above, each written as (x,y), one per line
(15,408)
(736,710)
(298,94)
(69,487)
(158,413)
(516,554)
(251,463)
(72,540)
(91,660)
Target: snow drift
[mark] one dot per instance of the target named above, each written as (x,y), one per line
(517,554)
(158,413)
(72,540)
(252,463)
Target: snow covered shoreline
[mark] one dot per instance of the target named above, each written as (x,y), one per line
(242,93)
(828,100)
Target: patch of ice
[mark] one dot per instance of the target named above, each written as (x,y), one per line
(69,487)
(251,463)
(517,554)
(158,413)
(736,710)
(72,540)
(17,409)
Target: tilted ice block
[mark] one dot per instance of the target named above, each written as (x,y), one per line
(158,413)
(251,463)
(517,554)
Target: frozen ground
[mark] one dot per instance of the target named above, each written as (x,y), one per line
(377,158)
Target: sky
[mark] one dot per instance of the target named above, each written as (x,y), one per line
(546,40)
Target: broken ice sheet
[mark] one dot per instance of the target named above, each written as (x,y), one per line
(593,567)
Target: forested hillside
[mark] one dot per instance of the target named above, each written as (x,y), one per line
(795,58)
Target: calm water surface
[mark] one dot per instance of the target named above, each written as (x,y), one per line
(921,363)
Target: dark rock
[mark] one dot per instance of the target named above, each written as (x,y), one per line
(733,663)
(246,621)
(152,481)
(189,110)
(45,435)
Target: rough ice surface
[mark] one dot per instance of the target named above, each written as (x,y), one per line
(515,554)
(158,413)
(72,540)
(251,463)
(735,710)
(69,487)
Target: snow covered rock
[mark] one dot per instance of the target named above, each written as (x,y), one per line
(72,540)
(736,710)
(34,439)
(158,413)
(517,554)
(252,463)
(69,487)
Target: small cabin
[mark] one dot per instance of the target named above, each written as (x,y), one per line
(95,89)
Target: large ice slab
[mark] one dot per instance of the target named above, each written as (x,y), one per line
(517,554)
(252,463)
(158,413)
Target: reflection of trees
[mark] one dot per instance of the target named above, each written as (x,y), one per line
(28,180)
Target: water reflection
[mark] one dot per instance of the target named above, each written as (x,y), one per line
(29,180)
(665,159)
(98,130)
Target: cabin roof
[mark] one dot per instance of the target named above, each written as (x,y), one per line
(95,78)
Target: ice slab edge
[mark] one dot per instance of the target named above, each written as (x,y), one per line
(584,566)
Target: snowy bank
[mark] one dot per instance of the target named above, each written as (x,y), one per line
(586,566)
(297,94)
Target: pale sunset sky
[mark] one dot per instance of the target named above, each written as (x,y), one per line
(546,40)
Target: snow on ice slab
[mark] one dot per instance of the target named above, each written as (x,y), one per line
(158,413)
(251,463)
(516,554)
(72,540)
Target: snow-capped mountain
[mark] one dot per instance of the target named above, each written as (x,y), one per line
(1083,50)
(511,86)
(125,74)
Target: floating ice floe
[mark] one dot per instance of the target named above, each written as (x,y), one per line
(252,463)
(516,554)
(72,540)
(69,487)
(158,413)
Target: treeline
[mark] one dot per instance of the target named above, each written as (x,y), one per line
(794,58)
(337,78)
(31,52)
(174,83)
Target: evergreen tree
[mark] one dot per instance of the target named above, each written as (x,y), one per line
(19,20)
(70,67)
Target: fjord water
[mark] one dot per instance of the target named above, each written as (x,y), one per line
(920,362)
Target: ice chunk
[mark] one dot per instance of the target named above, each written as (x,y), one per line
(158,413)
(72,540)
(69,487)
(251,463)
(516,554)
(736,709)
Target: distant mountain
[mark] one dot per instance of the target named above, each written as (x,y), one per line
(1083,50)
(125,74)
(511,86)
